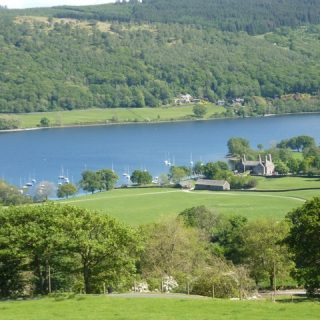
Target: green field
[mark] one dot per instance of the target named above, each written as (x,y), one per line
(143,205)
(287,183)
(98,308)
(113,115)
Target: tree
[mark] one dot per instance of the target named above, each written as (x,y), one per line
(199,110)
(264,252)
(54,247)
(10,195)
(44,190)
(297,143)
(216,170)
(304,243)
(200,217)
(198,167)
(281,167)
(178,172)
(90,181)
(107,179)
(66,190)
(107,250)
(238,146)
(44,122)
(171,249)
(141,177)
(227,238)
(33,239)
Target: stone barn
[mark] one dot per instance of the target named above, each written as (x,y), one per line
(212,185)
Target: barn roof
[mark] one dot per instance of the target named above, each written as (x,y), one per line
(215,183)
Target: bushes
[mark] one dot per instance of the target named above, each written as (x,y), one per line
(7,124)
(242,182)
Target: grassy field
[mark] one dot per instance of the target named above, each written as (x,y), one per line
(98,308)
(112,115)
(143,205)
(287,183)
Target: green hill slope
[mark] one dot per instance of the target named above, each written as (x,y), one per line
(49,63)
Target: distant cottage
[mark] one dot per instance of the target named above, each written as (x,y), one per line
(185,99)
(261,167)
(213,185)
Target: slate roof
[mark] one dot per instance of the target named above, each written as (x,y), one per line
(207,182)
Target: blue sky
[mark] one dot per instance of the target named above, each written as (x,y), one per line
(48,3)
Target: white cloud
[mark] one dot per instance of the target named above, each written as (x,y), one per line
(49,3)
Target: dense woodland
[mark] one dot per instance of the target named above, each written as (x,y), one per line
(52,64)
(252,16)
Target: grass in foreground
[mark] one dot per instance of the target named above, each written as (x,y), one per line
(144,205)
(98,308)
(113,115)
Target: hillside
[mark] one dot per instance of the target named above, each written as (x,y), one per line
(48,62)
(252,16)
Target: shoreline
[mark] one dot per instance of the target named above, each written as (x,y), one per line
(151,122)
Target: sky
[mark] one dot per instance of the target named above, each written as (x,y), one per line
(13,4)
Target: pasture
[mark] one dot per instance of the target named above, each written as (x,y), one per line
(116,308)
(143,205)
(113,115)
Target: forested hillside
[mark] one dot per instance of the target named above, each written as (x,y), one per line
(252,16)
(48,63)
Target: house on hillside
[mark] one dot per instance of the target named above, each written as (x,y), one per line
(184,99)
(261,167)
(212,185)
(237,102)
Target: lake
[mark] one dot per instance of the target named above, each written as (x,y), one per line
(46,154)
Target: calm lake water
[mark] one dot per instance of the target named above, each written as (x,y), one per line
(44,154)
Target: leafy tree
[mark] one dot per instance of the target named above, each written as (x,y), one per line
(199,110)
(238,146)
(281,167)
(44,122)
(297,143)
(141,177)
(10,195)
(304,242)
(201,218)
(90,181)
(6,124)
(107,179)
(198,167)
(171,249)
(178,172)
(33,238)
(293,165)
(66,190)
(73,243)
(264,252)
(106,249)
(228,238)
(216,170)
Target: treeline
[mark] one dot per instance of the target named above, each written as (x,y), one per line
(54,248)
(54,65)
(252,16)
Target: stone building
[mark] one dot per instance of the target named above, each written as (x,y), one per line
(261,167)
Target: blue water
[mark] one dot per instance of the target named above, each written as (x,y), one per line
(44,154)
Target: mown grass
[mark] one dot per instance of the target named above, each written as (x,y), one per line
(144,205)
(113,115)
(287,183)
(98,308)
